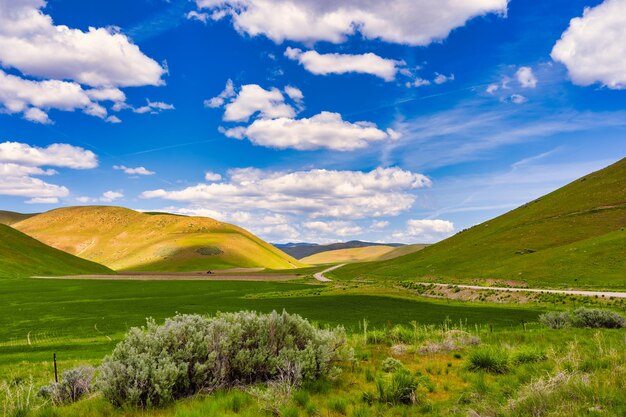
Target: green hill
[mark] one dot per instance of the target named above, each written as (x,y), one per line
(10,217)
(124,239)
(361,254)
(21,255)
(574,236)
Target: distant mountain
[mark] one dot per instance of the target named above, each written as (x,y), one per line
(124,239)
(361,254)
(302,250)
(23,256)
(574,236)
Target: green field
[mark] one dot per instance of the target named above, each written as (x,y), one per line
(82,319)
(572,237)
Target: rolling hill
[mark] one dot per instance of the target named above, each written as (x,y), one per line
(124,239)
(10,217)
(366,253)
(574,236)
(23,256)
(302,250)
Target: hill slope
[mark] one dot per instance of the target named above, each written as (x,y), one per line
(10,217)
(367,253)
(302,250)
(125,239)
(573,236)
(21,255)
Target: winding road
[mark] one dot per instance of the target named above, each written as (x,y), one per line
(320,275)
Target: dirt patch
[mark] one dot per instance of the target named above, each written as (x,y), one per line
(180,276)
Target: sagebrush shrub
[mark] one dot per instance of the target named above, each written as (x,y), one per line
(583,317)
(489,360)
(157,364)
(75,383)
(391,364)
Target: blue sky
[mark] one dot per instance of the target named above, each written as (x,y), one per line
(341,120)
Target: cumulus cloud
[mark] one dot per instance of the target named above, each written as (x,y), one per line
(21,163)
(212,176)
(32,43)
(425,230)
(334,228)
(250,100)
(57,154)
(518,99)
(441,79)
(218,101)
(324,130)
(414,22)
(110,196)
(379,224)
(133,171)
(154,107)
(324,64)
(593,48)
(526,77)
(316,193)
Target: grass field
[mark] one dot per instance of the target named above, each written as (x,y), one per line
(82,319)
(124,239)
(572,237)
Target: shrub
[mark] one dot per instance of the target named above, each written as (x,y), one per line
(489,360)
(188,354)
(75,383)
(391,364)
(599,319)
(338,405)
(400,390)
(555,319)
(583,317)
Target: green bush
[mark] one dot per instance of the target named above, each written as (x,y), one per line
(489,360)
(157,364)
(528,356)
(583,317)
(75,383)
(391,365)
(400,390)
(338,405)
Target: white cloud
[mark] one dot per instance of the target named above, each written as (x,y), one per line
(110,196)
(36,115)
(32,43)
(415,22)
(133,171)
(324,64)
(194,15)
(57,154)
(324,130)
(441,79)
(254,99)
(518,99)
(425,230)
(419,82)
(379,224)
(42,200)
(593,48)
(526,77)
(218,101)
(316,193)
(154,107)
(492,88)
(113,119)
(17,180)
(212,176)
(334,228)
(106,94)
(294,93)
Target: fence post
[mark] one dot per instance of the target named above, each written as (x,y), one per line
(56,375)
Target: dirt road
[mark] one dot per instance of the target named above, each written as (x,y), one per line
(566,292)
(320,275)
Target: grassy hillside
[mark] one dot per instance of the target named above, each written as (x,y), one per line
(367,253)
(347,255)
(303,250)
(573,236)
(124,239)
(21,255)
(11,217)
